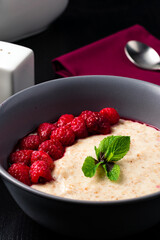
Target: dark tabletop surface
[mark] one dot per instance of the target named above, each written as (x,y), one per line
(83,22)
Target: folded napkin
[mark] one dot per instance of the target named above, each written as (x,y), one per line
(107,57)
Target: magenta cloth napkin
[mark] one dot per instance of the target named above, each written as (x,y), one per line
(107,57)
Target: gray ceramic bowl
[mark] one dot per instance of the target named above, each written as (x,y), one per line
(23,112)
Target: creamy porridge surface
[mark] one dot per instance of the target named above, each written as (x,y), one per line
(140,168)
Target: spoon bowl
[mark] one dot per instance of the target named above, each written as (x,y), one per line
(142,55)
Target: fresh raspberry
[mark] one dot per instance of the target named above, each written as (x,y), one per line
(85,114)
(40,172)
(92,122)
(21,156)
(65,119)
(30,142)
(53,147)
(20,172)
(79,127)
(111,114)
(103,124)
(44,130)
(42,156)
(96,122)
(64,134)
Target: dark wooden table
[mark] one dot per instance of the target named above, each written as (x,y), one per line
(83,22)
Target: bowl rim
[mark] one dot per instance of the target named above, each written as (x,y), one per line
(90,77)
(6,176)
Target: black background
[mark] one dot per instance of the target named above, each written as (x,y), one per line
(83,22)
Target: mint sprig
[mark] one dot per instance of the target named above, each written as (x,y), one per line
(90,166)
(110,149)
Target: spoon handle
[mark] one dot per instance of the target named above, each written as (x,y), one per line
(157,67)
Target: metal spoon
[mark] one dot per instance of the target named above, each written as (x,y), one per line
(142,55)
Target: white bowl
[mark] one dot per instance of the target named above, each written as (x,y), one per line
(23,18)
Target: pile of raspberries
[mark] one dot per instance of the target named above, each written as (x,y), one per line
(33,160)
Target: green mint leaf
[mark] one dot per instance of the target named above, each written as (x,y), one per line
(112,171)
(97,152)
(110,149)
(103,146)
(118,148)
(90,166)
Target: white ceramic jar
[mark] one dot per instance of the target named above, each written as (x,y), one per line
(23,18)
(16,69)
